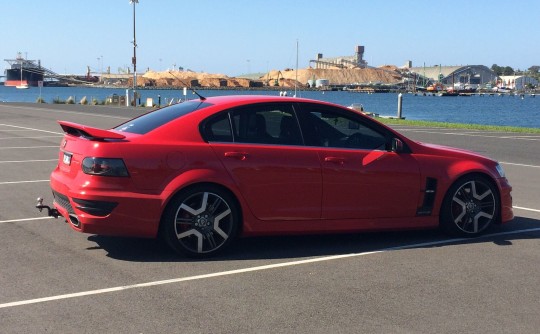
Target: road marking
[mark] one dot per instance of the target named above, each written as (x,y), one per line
(32,129)
(247,270)
(15,161)
(4,130)
(23,220)
(526,209)
(521,165)
(24,147)
(17,182)
(70,112)
(517,137)
(31,137)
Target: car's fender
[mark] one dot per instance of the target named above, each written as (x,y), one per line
(447,170)
(205,175)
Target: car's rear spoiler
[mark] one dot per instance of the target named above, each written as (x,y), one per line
(88,131)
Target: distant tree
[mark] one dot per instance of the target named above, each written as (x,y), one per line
(497,69)
(534,71)
(508,71)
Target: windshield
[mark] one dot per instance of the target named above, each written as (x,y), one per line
(157,118)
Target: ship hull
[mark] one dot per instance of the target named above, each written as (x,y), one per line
(13,77)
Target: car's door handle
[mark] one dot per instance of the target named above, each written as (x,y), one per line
(335,160)
(236,155)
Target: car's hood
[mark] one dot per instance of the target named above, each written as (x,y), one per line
(451,151)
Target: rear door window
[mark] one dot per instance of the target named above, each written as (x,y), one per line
(258,124)
(218,129)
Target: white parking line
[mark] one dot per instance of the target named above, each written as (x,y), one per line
(15,161)
(31,137)
(70,112)
(25,147)
(23,220)
(4,130)
(526,209)
(18,182)
(246,270)
(464,134)
(32,129)
(521,165)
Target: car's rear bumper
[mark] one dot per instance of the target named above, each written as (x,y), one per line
(107,212)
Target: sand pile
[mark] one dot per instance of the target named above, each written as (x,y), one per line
(194,79)
(338,76)
(285,78)
(182,75)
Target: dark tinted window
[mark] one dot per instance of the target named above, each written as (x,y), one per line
(266,124)
(155,119)
(330,127)
(218,129)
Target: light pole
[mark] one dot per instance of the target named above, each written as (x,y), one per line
(100,67)
(97,69)
(134,59)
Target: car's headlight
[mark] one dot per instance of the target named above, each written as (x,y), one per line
(500,170)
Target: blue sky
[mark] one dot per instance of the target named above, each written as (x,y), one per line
(238,36)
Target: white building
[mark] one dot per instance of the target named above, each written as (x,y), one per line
(517,82)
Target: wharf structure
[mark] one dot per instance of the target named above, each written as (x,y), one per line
(470,76)
(354,61)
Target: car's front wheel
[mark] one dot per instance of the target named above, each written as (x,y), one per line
(470,207)
(200,221)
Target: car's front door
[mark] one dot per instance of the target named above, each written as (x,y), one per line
(278,176)
(362,177)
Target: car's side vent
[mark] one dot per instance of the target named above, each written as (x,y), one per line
(429,197)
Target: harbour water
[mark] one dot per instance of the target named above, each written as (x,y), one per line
(488,110)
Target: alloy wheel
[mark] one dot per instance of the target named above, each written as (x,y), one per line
(203,223)
(473,206)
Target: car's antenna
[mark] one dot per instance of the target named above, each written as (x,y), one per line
(202,98)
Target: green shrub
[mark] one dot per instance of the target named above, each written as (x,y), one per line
(57,100)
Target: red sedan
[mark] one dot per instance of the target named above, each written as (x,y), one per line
(203,172)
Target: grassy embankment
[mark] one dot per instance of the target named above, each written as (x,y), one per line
(459,126)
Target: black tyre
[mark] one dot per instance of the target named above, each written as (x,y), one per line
(470,207)
(201,221)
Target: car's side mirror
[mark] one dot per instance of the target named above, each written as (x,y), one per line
(397,145)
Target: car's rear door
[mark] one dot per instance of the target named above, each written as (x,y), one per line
(278,176)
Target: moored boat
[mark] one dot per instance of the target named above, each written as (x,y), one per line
(23,73)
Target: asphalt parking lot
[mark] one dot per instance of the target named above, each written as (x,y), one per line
(55,280)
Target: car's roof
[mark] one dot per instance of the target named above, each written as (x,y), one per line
(246,99)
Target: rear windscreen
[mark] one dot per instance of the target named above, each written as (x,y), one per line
(157,118)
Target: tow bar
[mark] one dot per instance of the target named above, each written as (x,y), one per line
(51,212)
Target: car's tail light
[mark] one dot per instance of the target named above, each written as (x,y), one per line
(104,167)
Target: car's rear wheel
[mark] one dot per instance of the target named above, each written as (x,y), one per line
(201,221)
(470,207)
